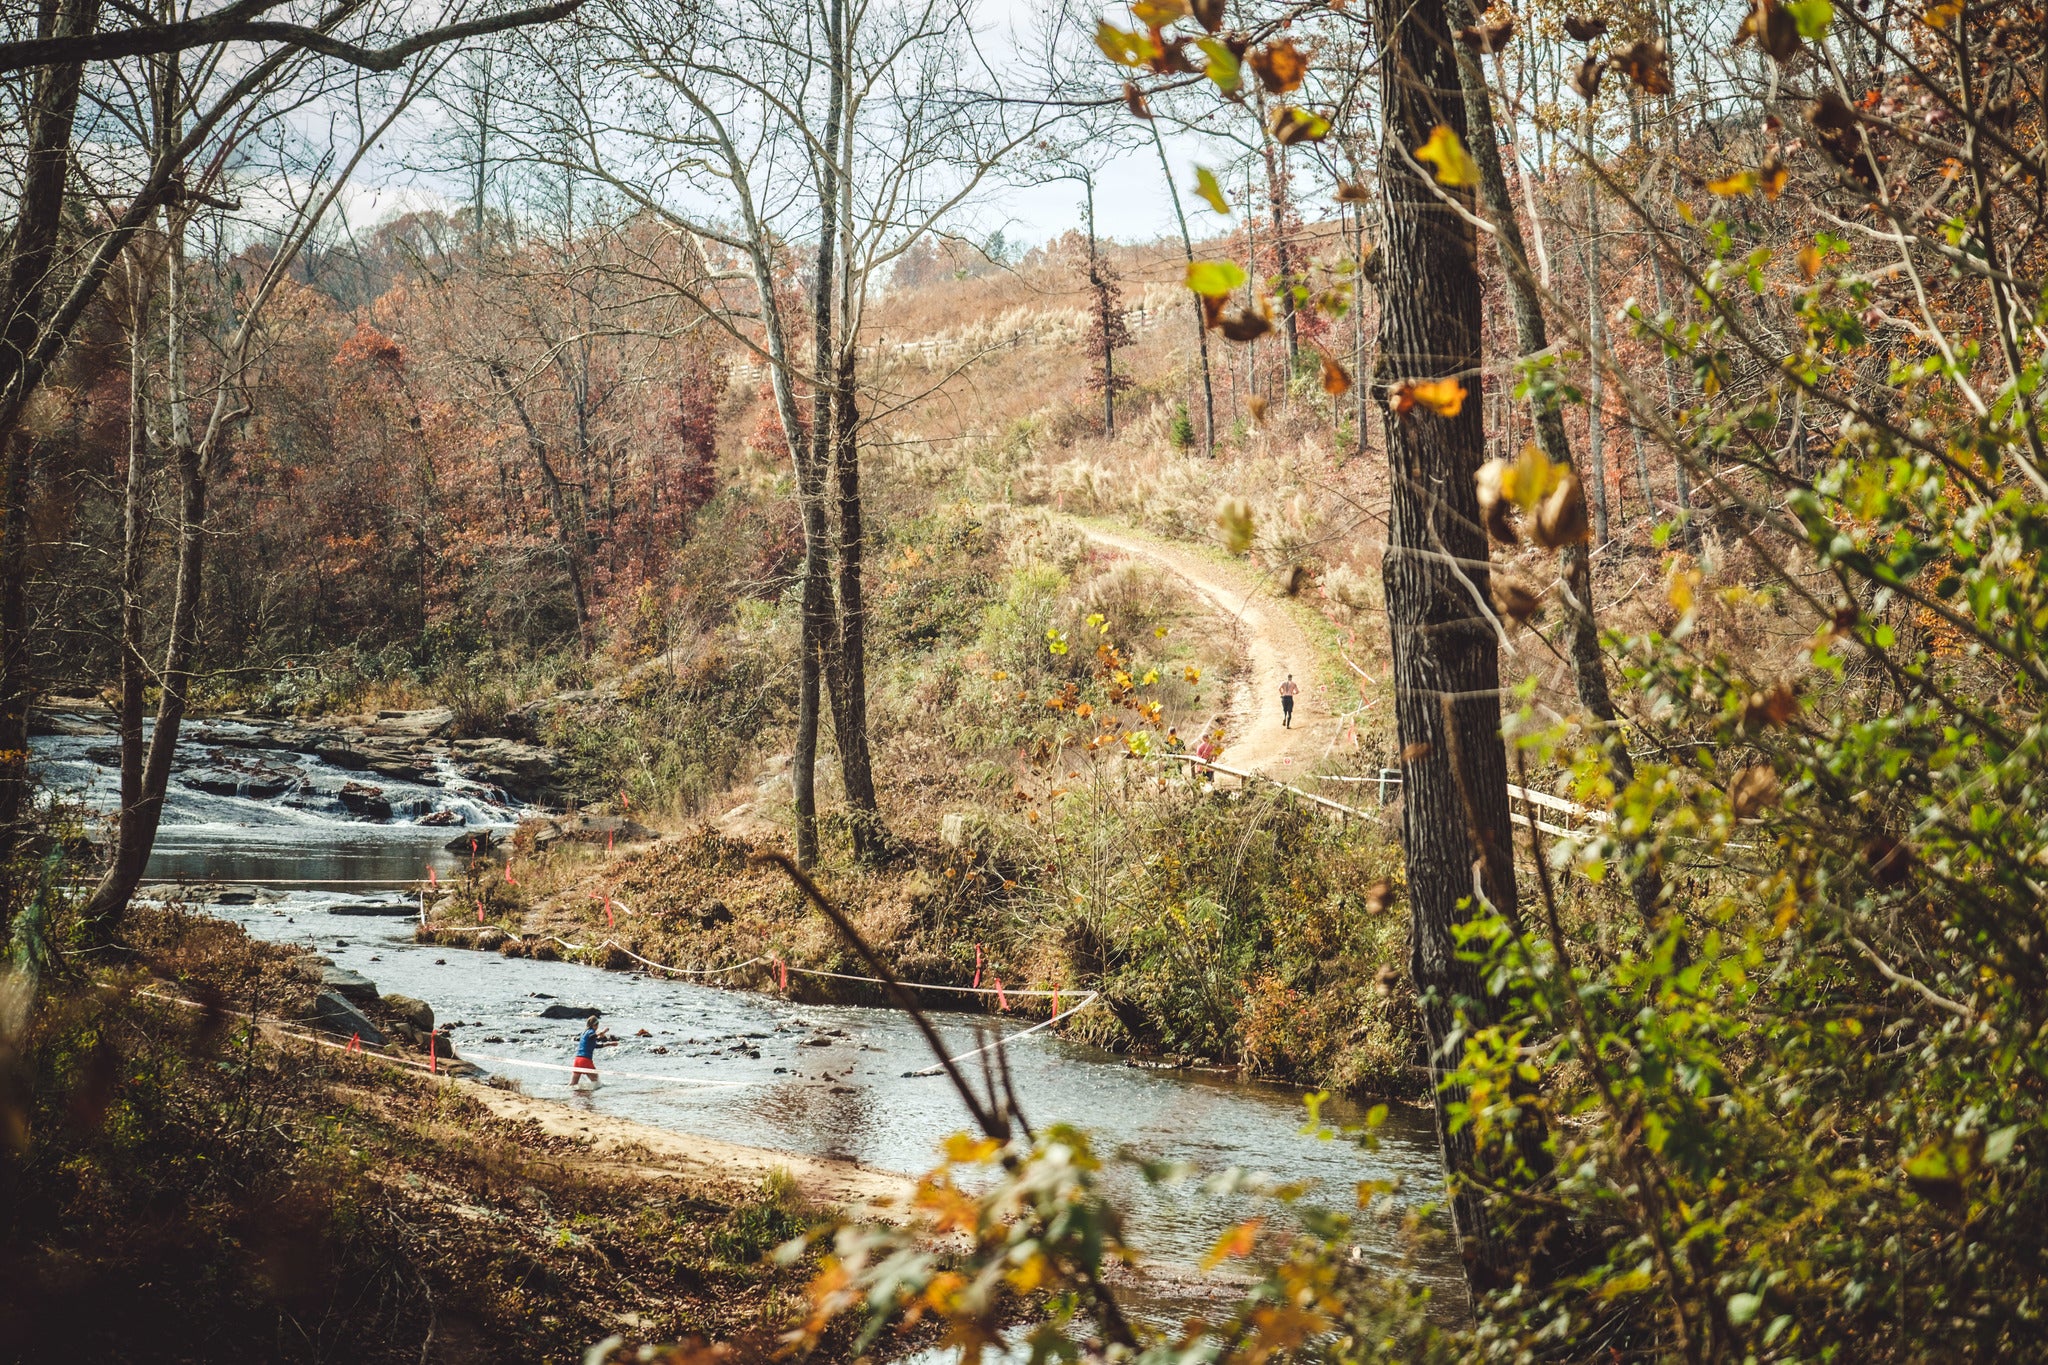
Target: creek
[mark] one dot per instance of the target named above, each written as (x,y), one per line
(822,1080)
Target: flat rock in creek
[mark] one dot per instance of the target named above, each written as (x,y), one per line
(337,1015)
(234,895)
(351,984)
(569,1012)
(392,909)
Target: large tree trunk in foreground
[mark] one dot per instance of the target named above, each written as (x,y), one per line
(1454,817)
(1575,561)
(30,253)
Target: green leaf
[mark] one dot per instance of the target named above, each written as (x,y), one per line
(1214,279)
(1742,1308)
(1209,191)
(1814,17)
(1224,67)
(1125,49)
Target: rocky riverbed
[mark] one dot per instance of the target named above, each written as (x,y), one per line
(383,759)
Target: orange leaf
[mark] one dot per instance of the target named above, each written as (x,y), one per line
(1444,397)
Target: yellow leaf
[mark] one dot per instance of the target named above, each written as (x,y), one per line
(1454,165)
(1942,15)
(1209,191)
(1530,478)
(1444,397)
(1158,13)
(1214,279)
(1740,183)
(1125,49)
(1192,674)
(1810,259)
(1683,589)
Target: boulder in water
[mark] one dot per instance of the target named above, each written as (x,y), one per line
(360,798)
(440,818)
(234,895)
(390,909)
(337,1015)
(559,1011)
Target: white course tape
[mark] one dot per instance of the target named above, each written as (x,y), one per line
(1093,996)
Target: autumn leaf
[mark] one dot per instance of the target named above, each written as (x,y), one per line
(1682,589)
(1587,79)
(1290,125)
(1773,27)
(1336,379)
(1134,100)
(1257,405)
(1943,15)
(1560,518)
(1233,1244)
(1125,49)
(1771,176)
(1488,38)
(1810,260)
(1351,192)
(1210,192)
(1740,183)
(1584,28)
(1214,279)
(1208,13)
(1245,325)
(1157,14)
(1224,68)
(1514,597)
(1444,397)
(1454,165)
(1494,502)
(1280,66)
(1647,65)
(1776,706)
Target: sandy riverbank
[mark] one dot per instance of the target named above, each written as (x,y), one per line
(624,1147)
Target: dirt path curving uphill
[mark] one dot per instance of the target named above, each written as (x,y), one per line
(1272,641)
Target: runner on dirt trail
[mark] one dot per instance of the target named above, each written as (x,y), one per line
(586,1055)
(1289,690)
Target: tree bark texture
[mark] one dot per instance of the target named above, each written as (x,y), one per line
(136,825)
(1455,815)
(31,252)
(1575,561)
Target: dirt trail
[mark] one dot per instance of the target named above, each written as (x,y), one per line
(1273,643)
(623,1146)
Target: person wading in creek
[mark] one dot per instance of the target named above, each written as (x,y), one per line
(1289,690)
(586,1055)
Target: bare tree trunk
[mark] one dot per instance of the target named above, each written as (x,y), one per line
(1596,411)
(563,508)
(1187,242)
(136,827)
(819,644)
(1589,668)
(1684,485)
(850,715)
(134,531)
(1454,816)
(30,252)
(1276,203)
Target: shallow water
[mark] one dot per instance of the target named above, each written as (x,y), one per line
(815,1079)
